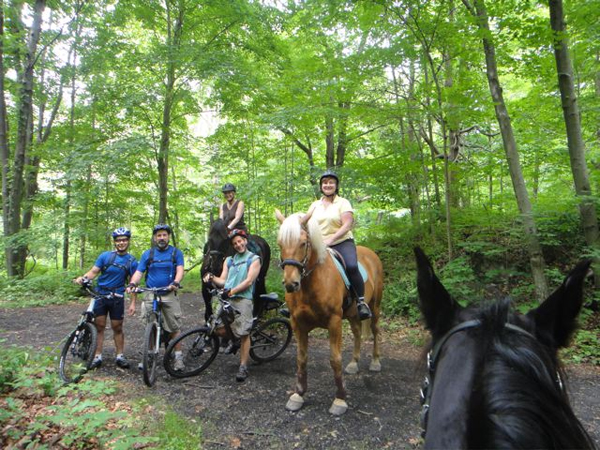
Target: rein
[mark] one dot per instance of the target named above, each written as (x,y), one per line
(301,265)
(433,356)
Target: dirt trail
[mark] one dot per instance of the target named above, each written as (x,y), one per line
(383,408)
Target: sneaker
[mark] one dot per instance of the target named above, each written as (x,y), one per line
(179,365)
(122,362)
(364,312)
(97,362)
(140,366)
(242,374)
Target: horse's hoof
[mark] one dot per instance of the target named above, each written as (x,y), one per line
(375,366)
(338,407)
(294,403)
(352,368)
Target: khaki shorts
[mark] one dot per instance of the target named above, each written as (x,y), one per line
(171,311)
(242,324)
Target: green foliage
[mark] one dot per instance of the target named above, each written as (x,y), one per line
(178,433)
(78,409)
(38,289)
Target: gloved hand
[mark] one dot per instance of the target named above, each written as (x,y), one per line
(225,294)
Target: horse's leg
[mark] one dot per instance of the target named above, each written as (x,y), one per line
(352,367)
(207,302)
(375,365)
(296,401)
(339,405)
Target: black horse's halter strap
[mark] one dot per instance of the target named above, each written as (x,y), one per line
(301,265)
(432,359)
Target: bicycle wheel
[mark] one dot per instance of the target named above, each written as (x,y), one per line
(199,349)
(78,353)
(270,339)
(150,356)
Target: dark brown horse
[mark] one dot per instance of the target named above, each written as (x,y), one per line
(494,378)
(315,294)
(217,248)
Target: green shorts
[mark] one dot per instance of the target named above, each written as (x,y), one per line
(171,311)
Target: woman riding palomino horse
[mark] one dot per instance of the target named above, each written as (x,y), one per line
(315,296)
(335,217)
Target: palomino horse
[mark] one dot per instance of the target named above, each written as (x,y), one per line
(315,294)
(217,248)
(494,380)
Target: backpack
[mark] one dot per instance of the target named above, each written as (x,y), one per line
(111,262)
(151,260)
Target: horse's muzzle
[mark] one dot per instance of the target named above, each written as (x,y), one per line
(291,287)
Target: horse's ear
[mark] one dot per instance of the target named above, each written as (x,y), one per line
(279,216)
(557,316)
(437,306)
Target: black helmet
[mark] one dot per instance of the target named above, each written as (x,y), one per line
(228,187)
(161,226)
(329,174)
(121,231)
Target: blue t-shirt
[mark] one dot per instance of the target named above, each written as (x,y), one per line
(115,276)
(162,271)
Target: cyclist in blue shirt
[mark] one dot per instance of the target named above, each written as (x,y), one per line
(114,268)
(163,265)
(237,278)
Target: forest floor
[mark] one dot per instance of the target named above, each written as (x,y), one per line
(383,407)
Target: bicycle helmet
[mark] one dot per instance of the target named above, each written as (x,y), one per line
(330,174)
(121,231)
(228,187)
(236,232)
(161,226)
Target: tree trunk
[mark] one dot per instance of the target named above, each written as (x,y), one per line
(536,258)
(14,250)
(576,145)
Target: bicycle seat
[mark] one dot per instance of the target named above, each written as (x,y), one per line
(271,301)
(270,297)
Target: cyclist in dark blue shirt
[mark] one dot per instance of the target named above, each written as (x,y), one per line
(114,268)
(163,265)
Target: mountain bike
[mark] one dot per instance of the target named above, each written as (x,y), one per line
(78,350)
(270,335)
(154,334)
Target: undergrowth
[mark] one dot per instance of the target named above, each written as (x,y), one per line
(38,411)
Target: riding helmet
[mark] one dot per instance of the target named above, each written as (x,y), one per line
(228,187)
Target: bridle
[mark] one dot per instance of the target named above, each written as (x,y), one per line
(301,265)
(433,356)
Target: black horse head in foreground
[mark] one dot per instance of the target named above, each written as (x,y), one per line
(494,378)
(217,248)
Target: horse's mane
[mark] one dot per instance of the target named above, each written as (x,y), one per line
(218,227)
(520,396)
(291,230)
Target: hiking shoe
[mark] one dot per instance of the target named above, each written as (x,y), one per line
(179,365)
(364,312)
(97,362)
(122,362)
(242,374)
(140,366)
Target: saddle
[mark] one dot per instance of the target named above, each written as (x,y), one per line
(340,264)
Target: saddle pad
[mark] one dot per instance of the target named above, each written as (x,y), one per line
(340,268)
